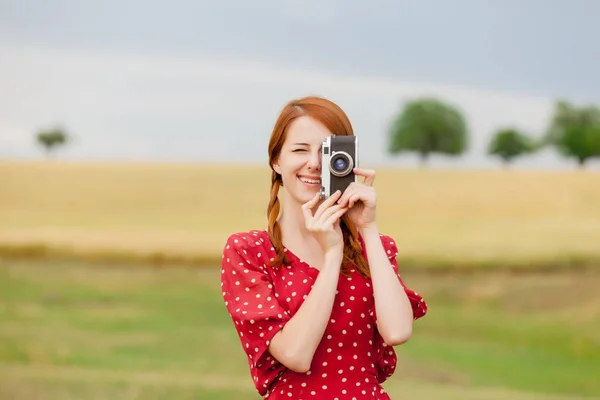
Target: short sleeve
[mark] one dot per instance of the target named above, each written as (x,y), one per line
(386,355)
(249,297)
(419,306)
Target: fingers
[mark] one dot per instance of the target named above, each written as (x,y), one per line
(308,206)
(329,211)
(350,191)
(368,174)
(327,203)
(335,216)
(353,199)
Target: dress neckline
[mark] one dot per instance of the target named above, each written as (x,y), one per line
(294,257)
(291,254)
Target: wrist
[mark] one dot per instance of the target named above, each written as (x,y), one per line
(334,258)
(369,230)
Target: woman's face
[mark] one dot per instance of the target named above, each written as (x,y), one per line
(299,162)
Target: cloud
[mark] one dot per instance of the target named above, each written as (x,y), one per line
(207,108)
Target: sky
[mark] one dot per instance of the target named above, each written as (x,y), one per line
(198,81)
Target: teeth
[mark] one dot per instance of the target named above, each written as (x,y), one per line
(310,180)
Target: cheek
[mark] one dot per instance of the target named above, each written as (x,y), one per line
(294,164)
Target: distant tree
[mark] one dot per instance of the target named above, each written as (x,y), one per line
(574,131)
(427,126)
(51,139)
(580,142)
(509,143)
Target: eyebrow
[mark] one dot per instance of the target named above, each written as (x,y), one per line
(301,144)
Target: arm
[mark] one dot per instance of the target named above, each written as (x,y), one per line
(392,305)
(294,346)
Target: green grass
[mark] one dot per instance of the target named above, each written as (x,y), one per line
(69,331)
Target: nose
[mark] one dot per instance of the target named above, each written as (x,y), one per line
(314,163)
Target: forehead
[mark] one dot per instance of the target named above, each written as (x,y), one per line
(306,130)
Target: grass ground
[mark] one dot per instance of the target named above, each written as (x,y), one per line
(458,218)
(71,331)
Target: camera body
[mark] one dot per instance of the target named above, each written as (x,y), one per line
(339,155)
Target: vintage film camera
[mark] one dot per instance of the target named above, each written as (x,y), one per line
(339,155)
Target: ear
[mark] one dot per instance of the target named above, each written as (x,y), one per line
(276,168)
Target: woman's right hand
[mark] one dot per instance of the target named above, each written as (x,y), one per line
(325,223)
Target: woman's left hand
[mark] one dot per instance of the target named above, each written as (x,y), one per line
(361,198)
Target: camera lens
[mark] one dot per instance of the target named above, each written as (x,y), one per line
(341,164)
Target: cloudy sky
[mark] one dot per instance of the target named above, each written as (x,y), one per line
(185,80)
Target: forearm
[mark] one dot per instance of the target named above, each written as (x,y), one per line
(295,344)
(393,308)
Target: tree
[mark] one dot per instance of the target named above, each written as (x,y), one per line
(427,126)
(574,131)
(51,139)
(580,142)
(509,143)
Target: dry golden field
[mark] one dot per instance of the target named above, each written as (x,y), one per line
(438,217)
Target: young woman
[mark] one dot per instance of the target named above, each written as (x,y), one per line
(316,297)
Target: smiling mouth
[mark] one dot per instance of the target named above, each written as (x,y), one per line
(310,181)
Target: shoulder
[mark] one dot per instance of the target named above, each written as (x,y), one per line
(245,240)
(247,248)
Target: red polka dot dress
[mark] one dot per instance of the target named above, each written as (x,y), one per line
(352,359)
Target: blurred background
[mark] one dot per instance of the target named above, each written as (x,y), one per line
(133,142)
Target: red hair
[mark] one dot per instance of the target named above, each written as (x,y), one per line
(337,122)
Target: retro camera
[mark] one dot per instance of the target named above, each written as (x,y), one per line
(339,156)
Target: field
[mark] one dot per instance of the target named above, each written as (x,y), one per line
(109,281)
(70,331)
(439,218)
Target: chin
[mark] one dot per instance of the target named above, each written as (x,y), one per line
(303,195)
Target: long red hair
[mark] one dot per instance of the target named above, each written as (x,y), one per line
(337,122)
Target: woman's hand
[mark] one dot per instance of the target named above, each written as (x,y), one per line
(361,199)
(325,223)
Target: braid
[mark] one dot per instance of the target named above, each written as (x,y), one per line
(353,254)
(273,227)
